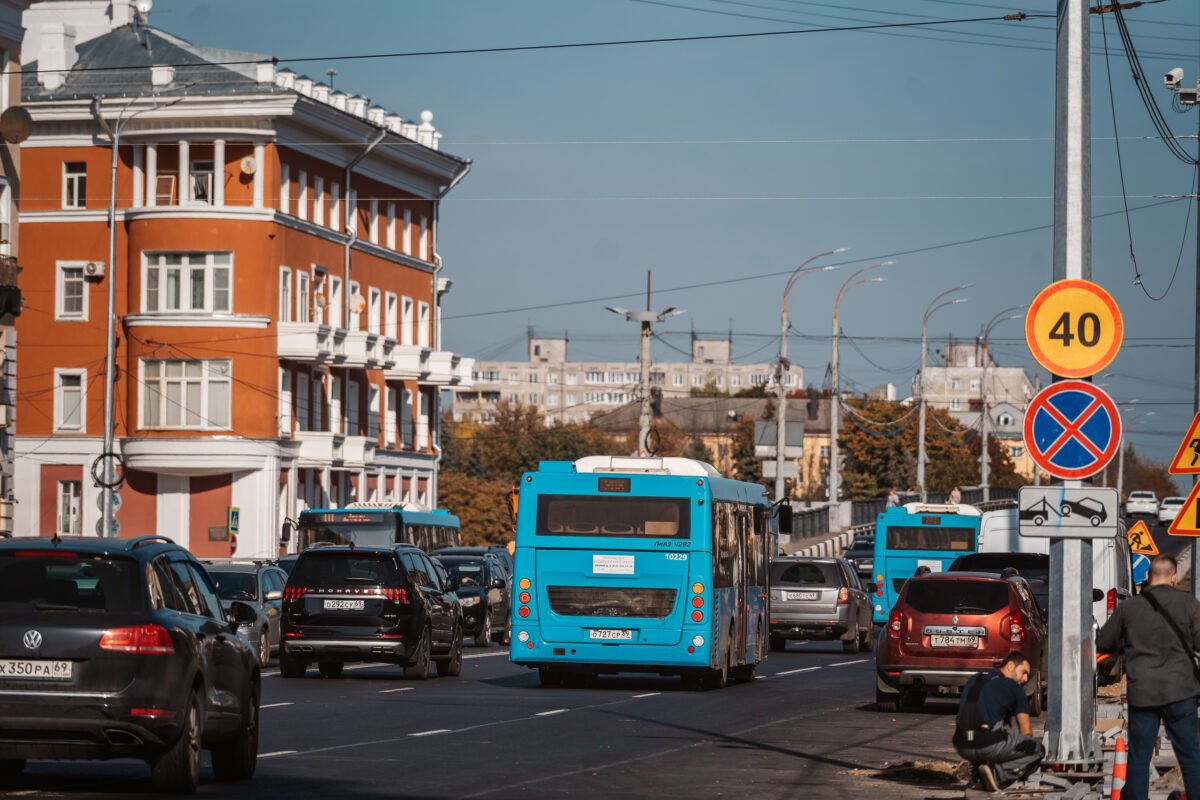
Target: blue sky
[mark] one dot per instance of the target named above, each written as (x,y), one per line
(730,162)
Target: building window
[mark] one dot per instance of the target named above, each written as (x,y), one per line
(572,399)
(423,324)
(824,451)
(303,303)
(406,321)
(955,383)
(389,416)
(196,282)
(318,200)
(285,295)
(697,380)
(335,207)
(71,302)
(357,303)
(406,237)
(74,184)
(390,231)
(68,506)
(302,194)
(593,377)
(1016,452)
(677,379)
(202,182)
(423,242)
(956,404)
(285,190)
(571,378)
(533,377)
(1005,420)
(374,297)
(513,377)
(285,402)
(186,394)
(533,399)
(69,400)
(551,399)
(390,321)
(735,380)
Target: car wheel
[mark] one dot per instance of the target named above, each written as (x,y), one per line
(11,767)
(330,669)
(744,673)
(484,637)
(778,644)
(1035,700)
(418,670)
(236,759)
(549,676)
(264,647)
(852,644)
(178,770)
(887,702)
(451,665)
(718,678)
(291,667)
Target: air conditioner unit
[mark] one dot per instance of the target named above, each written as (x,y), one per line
(93,269)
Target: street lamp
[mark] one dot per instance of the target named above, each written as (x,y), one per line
(934,305)
(782,365)
(983,393)
(1121,452)
(835,398)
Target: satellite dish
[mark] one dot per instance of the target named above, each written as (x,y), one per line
(249,165)
(15,124)
(357,303)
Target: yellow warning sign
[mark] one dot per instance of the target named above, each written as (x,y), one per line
(1187,457)
(1140,540)
(1187,522)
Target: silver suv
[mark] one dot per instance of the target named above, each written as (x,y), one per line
(821,599)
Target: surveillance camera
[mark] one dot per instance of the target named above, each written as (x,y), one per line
(1173,78)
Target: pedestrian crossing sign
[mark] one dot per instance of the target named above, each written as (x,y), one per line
(1187,457)
(1140,540)
(1187,522)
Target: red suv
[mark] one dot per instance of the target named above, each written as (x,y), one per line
(945,627)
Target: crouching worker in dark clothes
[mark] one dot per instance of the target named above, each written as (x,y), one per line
(993,730)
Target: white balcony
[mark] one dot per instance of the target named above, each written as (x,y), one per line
(359,451)
(321,448)
(364,350)
(445,368)
(410,363)
(310,342)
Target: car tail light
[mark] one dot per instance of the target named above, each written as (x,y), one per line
(294,592)
(151,713)
(895,623)
(879,586)
(396,595)
(1111,601)
(1013,627)
(150,640)
(843,596)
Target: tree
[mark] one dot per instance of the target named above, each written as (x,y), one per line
(746,466)
(1146,475)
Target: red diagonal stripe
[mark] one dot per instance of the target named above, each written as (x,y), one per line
(1071,430)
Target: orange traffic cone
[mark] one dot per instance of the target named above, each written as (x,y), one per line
(1120,759)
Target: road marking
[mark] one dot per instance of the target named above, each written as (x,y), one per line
(277,753)
(549,713)
(401,689)
(847,663)
(795,671)
(648,694)
(276,705)
(431,733)
(488,655)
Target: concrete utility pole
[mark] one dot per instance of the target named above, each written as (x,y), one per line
(983,395)
(934,305)
(835,394)
(645,318)
(781,367)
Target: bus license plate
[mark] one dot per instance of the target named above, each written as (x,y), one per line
(345,605)
(952,640)
(608,633)
(800,595)
(36,669)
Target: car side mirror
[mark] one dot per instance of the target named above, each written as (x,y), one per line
(274,595)
(285,534)
(785,519)
(240,614)
(1097,595)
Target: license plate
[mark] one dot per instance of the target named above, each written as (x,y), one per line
(345,605)
(29,669)
(952,640)
(608,633)
(800,595)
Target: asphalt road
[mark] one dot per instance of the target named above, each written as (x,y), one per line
(806,727)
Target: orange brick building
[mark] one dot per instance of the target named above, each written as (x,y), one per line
(277,288)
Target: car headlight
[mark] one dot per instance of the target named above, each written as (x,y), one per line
(467,602)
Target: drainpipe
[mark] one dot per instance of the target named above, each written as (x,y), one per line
(351,236)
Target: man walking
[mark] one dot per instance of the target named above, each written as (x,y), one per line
(1162,679)
(991,703)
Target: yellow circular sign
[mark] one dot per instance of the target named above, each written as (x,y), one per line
(1074,328)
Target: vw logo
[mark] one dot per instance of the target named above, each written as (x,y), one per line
(955,619)
(32,640)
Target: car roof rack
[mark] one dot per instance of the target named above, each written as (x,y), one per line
(138,541)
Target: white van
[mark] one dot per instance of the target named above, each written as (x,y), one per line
(1111,569)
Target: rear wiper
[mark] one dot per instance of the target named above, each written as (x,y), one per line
(971,610)
(40,606)
(360,580)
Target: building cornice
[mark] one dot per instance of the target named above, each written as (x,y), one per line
(200,455)
(258,321)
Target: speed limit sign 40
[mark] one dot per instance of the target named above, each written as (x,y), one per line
(1074,328)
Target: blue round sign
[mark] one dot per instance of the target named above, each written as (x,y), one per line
(1072,429)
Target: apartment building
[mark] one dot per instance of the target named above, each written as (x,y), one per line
(274,282)
(575,391)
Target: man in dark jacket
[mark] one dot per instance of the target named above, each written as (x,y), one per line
(993,730)
(1162,681)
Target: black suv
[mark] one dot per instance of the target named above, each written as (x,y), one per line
(482,588)
(385,604)
(119,648)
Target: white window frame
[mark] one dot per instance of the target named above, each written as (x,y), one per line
(63,401)
(302,194)
(423,242)
(196,175)
(318,212)
(334,306)
(6,212)
(156,284)
(69,499)
(352,211)
(157,407)
(373,216)
(406,234)
(374,308)
(390,234)
(353,406)
(372,411)
(303,300)
(407,325)
(285,190)
(60,284)
(389,416)
(285,403)
(285,294)
(355,313)
(74,185)
(391,306)
(424,320)
(335,206)
(422,438)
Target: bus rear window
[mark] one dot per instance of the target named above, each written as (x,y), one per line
(652,517)
(905,537)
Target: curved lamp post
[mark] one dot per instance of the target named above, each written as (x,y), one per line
(934,305)
(782,365)
(983,394)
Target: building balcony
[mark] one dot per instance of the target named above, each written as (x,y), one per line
(364,350)
(449,369)
(320,448)
(10,292)
(359,451)
(410,362)
(311,342)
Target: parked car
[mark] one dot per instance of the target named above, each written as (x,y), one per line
(287,563)
(1033,567)
(1141,502)
(482,588)
(120,648)
(497,550)
(821,599)
(1169,508)
(388,604)
(947,626)
(861,554)
(259,585)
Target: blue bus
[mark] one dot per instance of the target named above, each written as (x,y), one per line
(655,565)
(377,524)
(918,535)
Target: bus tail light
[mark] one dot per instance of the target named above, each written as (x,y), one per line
(523,611)
(879,586)
(697,616)
(1110,602)
(895,623)
(843,596)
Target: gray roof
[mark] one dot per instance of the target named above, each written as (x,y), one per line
(118,63)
